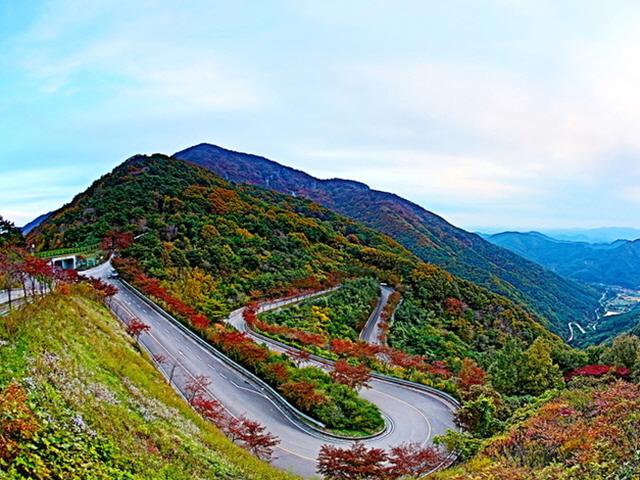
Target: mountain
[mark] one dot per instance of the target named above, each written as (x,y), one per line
(213,245)
(594,235)
(616,263)
(426,234)
(35,223)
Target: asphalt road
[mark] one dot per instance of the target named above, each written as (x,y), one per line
(412,414)
(371,331)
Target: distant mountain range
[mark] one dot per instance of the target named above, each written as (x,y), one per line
(426,234)
(616,263)
(35,223)
(594,235)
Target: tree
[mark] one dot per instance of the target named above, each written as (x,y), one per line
(303,393)
(210,409)
(623,352)
(135,328)
(506,369)
(352,376)
(253,436)
(357,462)
(197,387)
(539,372)
(9,233)
(412,460)
(470,375)
(478,416)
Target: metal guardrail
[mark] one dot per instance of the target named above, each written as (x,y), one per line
(302,419)
(67,251)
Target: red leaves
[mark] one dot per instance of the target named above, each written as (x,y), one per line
(197,387)
(470,374)
(253,436)
(210,409)
(152,287)
(116,240)
(453,306)
(353,463)
(597,371)
(249,434)
(412,460)
(360,462)
(135,328)
(303,393)
(103,288)
(352,376)
(17,421)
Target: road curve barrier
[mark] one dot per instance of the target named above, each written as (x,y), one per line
(302,420)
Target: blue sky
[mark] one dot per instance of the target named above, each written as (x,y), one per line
(494,114)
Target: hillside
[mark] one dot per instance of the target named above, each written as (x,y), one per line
(215,245)
(78,400)
(427,235)
(585,433)
(616,263)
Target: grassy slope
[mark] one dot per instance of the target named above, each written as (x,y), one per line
(118,416)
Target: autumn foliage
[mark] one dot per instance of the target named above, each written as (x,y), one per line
(17,422)
(359,462)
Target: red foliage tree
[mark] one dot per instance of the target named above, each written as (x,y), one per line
(210,409)
(304,394)
(352,376)
(135,328)
(197,387)
(116,240)
(354,463)
(597,371)
(453,306)
(412,460)
(470,374)
(253,436)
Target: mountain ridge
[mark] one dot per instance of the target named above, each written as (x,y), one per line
(616,263)
(425,233)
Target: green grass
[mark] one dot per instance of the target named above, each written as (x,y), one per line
(103,410)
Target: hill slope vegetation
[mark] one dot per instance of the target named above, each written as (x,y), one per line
(78,400)
(424,233)
(215,246)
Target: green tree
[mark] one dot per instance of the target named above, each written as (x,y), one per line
(623,352)
(9,233)
(507,367)
(539,372)
(478,417)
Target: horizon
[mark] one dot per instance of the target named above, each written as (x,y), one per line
(491,114)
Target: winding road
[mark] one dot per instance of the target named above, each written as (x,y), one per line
(412,414)
(371,331)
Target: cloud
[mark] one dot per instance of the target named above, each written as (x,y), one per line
(134,54)
(454,178)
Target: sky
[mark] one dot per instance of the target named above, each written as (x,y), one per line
(496,114)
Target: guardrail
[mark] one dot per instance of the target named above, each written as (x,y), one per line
(303,420)
(380,376)
(67,251)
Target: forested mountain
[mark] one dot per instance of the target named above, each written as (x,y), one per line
(202,246)
(616,263)
(426,234)
(214,245)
